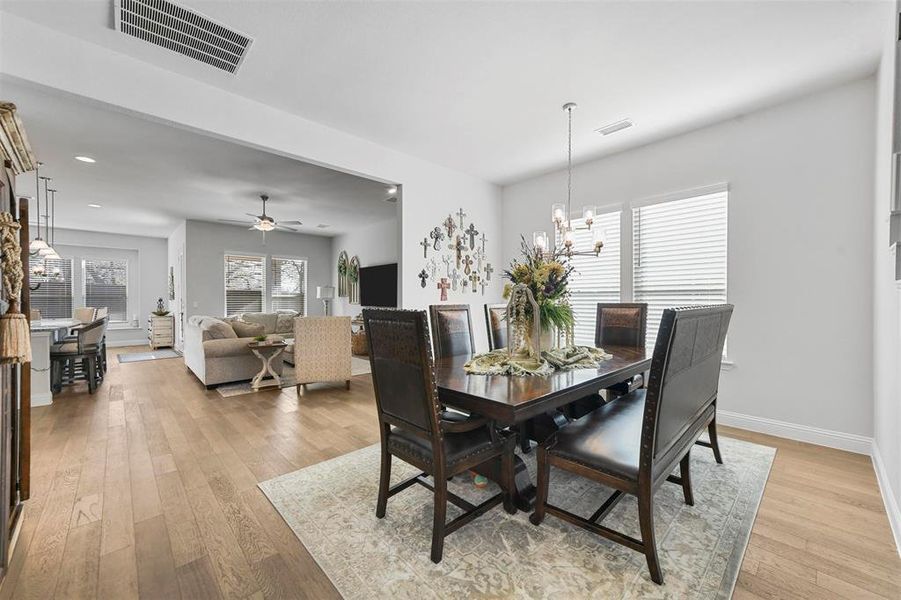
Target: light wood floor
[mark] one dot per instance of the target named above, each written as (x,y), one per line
(148,488)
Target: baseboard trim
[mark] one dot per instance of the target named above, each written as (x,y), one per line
(123,343)
(888,498)
(851,442)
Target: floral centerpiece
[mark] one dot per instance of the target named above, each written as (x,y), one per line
(546,273)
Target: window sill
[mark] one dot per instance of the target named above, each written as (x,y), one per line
(123,327)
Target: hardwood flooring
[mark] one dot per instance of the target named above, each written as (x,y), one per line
(148,489)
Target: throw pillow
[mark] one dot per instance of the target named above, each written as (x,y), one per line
(246,329)
(267,320)
(285,323)
(215,329)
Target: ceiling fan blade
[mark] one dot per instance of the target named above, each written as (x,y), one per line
(254,216)
(295,222)
(232,221)
(252,228)
(280,226)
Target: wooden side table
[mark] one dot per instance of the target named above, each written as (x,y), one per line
(266,352)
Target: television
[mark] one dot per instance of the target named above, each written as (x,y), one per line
(378,285)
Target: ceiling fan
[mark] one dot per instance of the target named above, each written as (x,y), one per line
(264,222)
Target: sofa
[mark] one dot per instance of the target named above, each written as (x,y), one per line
(215,348)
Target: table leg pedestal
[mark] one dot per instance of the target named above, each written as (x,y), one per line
(258,381)
(524,489)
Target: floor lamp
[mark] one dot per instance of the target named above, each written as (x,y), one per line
(326,293)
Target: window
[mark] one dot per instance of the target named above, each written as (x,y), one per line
(288,285)
(595,279)
(54,297)
(244,284)
(105,283)
(679,254)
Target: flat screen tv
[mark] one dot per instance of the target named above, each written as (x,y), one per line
(378,285)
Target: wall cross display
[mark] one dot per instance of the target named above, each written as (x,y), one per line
(423,276)
(484,284)
(483,238)
(450,225)
(478,256)
(447,260)
(458,250)
(455,277)
(465,283)
(438,236)
(475,281)
(461,213)
(467,265)
(432,267)
(443,285)
(472,232)
(425,247)
(488,271)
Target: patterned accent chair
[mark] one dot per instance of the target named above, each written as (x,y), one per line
(321,350)
(495,322)
(452,328)
(633,443)
(414,428)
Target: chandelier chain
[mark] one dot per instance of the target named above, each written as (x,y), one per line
(569,168)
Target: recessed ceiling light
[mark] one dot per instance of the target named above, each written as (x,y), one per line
(614,127)
(85,159)
(95,206)
(392,189)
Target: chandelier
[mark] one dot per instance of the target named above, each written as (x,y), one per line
(38,246)
(561,213)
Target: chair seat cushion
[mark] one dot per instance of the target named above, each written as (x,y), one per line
(457,446)
(607,439)
(70,348)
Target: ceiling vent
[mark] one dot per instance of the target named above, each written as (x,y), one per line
(182,30)
(614,127)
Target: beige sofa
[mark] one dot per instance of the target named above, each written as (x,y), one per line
(216,354)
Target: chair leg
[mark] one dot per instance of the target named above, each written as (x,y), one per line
(89,365)
(301,388)
(685,475)
(439,518)
(384,481)
(646,521)
(544,470)
(347,384)
(525,445)
(714,442)
(507,477)
(71,368)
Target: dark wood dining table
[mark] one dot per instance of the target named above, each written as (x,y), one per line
(512,400)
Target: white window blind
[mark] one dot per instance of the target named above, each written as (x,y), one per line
(106,284)
(595,279)
(244,284)
(54,298)
(679,254)
(288,284)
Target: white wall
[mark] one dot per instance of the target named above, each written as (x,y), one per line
(147,276)
(208,243)
(374,244)
(74,66)
(800,225)
(887,297)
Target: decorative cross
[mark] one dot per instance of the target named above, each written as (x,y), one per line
(423,276)
(472,233)
(478,256)
(458,250)
(455,277)
(450,225)
(467,265)
(484,284)
(437,235)
(447,260)
(475,281)
(425,247)
(443,285)
(483,238)
(465,283)
(432,266)
(488,271)
(461,213)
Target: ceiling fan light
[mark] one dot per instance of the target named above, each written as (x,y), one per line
(265,225)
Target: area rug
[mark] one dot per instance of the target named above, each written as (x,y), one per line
(154,355)
(331,508)
(358,366)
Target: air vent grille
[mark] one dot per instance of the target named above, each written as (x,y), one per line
(182,30)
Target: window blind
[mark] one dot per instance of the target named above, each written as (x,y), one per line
(288,284)
(244,284)
(106,284)
(595,279)
(54,298)
(679,255)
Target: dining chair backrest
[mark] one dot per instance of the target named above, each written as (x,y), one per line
(403,373)
(452,327)
(35,314)
(621,324)
(684,379)
(85,314)
(103,311)
(90,335)
(496,323)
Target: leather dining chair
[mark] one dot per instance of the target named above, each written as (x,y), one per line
(452,330)
(414,429)
(85,350)
(496,325)
(633,443)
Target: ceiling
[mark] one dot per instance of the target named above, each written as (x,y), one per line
(148,176)
(478,86)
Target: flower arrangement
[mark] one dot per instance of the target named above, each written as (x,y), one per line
(546,273)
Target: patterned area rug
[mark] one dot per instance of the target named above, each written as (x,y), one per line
(358,366)
(331,508)
(154,355)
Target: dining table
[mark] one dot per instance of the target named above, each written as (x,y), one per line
(44,333)
(512,401)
